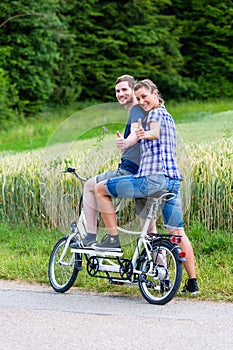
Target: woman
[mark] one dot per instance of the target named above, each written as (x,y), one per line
(158,170)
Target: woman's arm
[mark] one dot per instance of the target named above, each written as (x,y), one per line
(151,134)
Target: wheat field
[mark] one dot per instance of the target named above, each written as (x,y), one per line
(34,190)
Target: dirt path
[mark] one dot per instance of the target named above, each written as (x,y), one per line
(35,317)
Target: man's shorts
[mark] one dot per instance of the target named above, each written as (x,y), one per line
(139,187)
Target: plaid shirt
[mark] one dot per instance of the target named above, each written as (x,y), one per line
(159,155)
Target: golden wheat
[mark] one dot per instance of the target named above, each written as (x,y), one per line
(34,190)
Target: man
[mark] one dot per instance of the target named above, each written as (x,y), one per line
(129,164)
(158,170)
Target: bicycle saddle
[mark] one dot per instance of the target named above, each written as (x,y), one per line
(164,194)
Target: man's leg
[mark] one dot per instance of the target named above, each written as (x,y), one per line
(151,227)
(91,207)
(142,207)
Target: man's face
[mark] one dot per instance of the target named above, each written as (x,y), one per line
(124,94)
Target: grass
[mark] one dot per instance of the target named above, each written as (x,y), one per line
(25,251)
(211,128)
(25,255)
(196,111)
(35,132)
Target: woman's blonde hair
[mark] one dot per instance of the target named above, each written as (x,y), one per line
(149,85)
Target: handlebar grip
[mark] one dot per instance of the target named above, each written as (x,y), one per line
(69,170)
(73,171)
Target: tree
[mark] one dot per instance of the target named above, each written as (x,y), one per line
(207,44)
(28,52)
(63,50)
(8,99)
(113,38)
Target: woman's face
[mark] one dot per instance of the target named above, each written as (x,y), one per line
(147,99)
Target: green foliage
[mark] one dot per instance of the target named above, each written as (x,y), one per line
(8,97)
(64,51)
(28,53)
(207,44)
(113,38)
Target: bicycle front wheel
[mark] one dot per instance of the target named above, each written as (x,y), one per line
(62,272)
(160,284)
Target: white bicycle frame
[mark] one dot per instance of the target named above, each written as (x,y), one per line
(105,264)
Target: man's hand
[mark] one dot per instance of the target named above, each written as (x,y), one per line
(120,141)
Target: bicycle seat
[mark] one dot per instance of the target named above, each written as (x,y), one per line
(166,195)
(158,194)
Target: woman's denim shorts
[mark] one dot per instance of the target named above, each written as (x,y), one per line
(140,187)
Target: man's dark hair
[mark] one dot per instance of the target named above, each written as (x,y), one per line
(129,78)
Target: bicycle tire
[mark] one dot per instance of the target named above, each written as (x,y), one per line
(154,289)
(62,275)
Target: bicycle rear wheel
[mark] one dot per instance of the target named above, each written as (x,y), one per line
(62,274)
(161,284)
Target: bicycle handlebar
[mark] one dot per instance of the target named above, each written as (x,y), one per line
(69,170)
(73,171)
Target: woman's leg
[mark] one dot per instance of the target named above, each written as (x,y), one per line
(186,247)
(106,208)
(89,197)
(173,220)
(125,187)
(90,205)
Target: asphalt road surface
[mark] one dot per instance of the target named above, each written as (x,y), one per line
(35,317)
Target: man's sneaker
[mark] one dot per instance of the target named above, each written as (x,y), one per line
(190,287)
(88,240)
(108,243)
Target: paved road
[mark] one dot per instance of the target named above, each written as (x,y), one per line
(34,317)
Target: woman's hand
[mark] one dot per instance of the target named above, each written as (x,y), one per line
(140,132)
